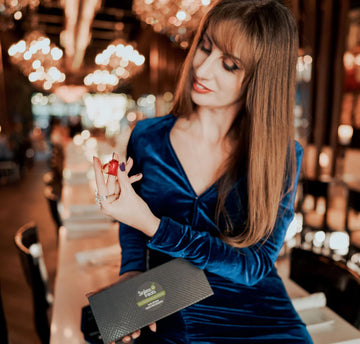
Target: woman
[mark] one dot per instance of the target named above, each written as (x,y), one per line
(218,179)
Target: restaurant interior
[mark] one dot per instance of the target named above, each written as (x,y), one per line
(75,78)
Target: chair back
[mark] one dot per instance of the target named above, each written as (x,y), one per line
(4,339)
(30,253)
(52,201)
(318,273)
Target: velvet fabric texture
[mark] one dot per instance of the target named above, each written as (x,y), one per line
(250,303)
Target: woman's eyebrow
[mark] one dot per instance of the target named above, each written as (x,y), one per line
(234,57)
(207,37)
(225,54)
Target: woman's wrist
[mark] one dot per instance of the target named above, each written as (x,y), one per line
(146,221)
(152,226)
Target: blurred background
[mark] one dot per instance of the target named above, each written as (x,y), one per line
(76,76)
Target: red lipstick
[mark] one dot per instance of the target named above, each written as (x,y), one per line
(200,88)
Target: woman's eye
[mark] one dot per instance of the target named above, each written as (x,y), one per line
(205,46)
(230,65)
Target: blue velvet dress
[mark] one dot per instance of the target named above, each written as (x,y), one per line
(250,303)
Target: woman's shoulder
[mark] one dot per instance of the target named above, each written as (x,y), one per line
(154,126)
(149,135)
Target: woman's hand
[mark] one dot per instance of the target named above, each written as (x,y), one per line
(119,200)
(137,333)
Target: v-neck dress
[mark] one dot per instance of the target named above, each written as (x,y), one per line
(250,303)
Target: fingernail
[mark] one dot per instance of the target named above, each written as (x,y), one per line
(128,159)
(122,167)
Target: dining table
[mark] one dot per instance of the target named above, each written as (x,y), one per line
(324,325)
(88,247)
(76,279)
(89,259)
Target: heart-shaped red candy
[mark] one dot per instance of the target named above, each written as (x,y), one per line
(111,167)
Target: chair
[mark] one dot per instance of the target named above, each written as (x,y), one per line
(314,204)
(52,200)
(3,326)
(318,273)
(30,252)
(352,211)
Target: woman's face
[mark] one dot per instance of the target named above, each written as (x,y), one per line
(218,77)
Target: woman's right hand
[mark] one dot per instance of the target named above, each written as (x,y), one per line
(121,201)
(136,334)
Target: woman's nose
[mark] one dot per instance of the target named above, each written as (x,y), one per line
(205,67)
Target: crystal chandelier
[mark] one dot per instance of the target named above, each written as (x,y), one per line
(39,60)
(11,6)
(176,18)
(117,63)
(13,10)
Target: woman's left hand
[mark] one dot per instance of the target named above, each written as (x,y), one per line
(119,200)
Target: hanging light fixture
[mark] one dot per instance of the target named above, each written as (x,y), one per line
(13,10)
(12,6)
(176,18)
(46,66)
(39,60)
(117,63)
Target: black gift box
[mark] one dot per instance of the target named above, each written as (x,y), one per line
(127,306)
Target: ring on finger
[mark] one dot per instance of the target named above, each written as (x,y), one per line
(101,198)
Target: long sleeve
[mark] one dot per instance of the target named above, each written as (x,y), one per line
(188,229)
(240,265)
(133,249)
(132,241)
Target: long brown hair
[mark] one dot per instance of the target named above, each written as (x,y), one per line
(263,130)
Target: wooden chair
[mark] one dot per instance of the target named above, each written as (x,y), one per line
(318,273)
(53,203)
(30,252)
(3,326)
(352,211)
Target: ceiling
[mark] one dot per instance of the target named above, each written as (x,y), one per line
(82,28)
(105,26)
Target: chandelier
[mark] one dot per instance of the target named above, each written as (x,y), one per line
(176,18)
(117,63)
(11,6)
(39,60)
(12,9)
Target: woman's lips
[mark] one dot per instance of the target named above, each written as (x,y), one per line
(200,88)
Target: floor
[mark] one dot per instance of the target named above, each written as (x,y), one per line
(19,203)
